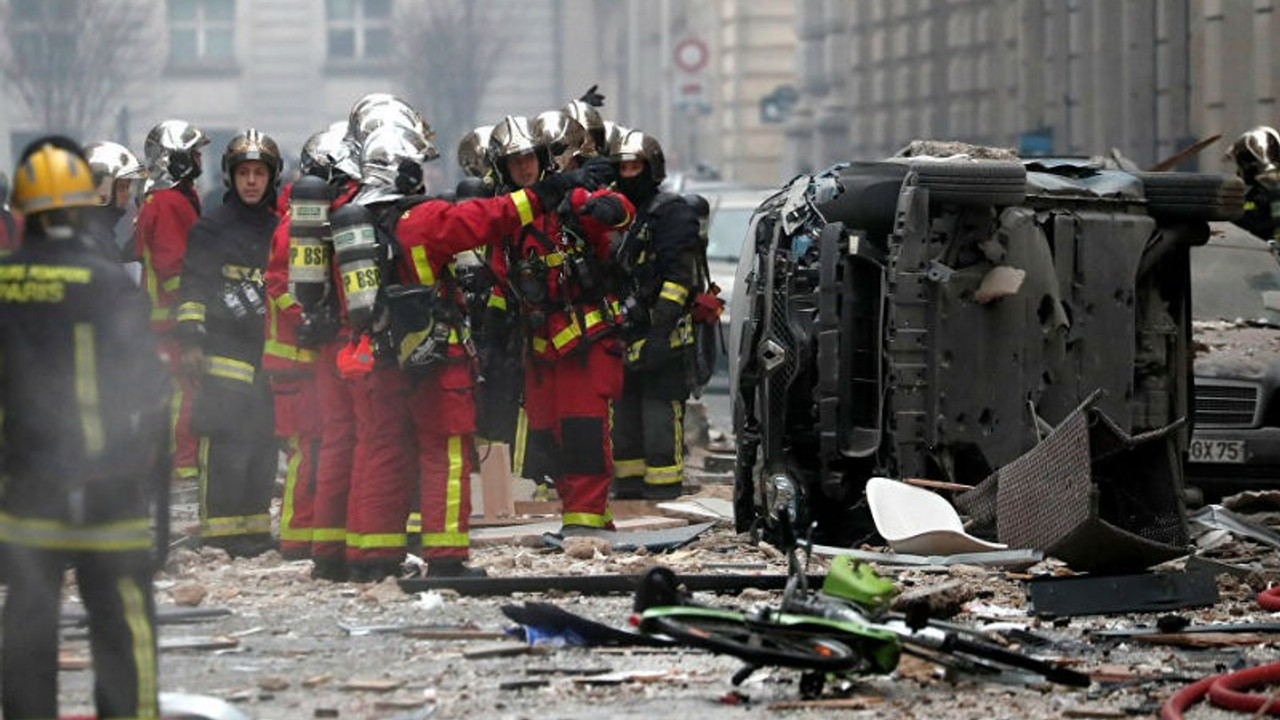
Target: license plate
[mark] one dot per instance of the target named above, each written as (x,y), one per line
(1217,451)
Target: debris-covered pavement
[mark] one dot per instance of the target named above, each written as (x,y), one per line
(261,634)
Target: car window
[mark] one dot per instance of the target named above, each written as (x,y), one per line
(1235,283)
(726,232)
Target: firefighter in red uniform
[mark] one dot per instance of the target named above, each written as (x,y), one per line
(343,396)
(555,269)
(658,257)
(417,316)
(172,153)
(84,398)
(219,325)
(289,357)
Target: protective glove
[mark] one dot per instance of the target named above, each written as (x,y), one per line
(356,359)
(599,172)
(473,187)
(593,97)
(657,349)
(595,173)
(607,209)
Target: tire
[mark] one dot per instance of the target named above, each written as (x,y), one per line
(1192,196)
(756,643)
(973,182)
(868,199)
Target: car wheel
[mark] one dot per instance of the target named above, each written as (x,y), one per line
(1192,196)
(868,199)
(973,182)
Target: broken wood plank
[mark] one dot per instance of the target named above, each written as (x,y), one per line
(431,634)
(619,508)
(199,642)
(623,676)
(530,535)
(372,684)
(1205,639)
(594,584)
(937,484)
(493,650)
(849,703)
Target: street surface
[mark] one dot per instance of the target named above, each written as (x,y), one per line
(291,648)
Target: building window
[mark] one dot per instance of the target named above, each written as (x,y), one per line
(42,31)
(202,32)
(359,30)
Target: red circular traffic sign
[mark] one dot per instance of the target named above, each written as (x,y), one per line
(691,55)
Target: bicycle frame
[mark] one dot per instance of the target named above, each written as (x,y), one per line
(878,647)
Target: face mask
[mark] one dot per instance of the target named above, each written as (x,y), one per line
(638,189)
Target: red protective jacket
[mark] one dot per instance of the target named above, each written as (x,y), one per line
(163,222)
(570,317)
(432,232)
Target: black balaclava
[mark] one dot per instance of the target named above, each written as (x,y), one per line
(639,189)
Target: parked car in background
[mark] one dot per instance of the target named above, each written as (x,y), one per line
(1235,282)
(727,225)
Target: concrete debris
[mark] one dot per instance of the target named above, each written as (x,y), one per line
(386,591)
(587,548)
(189,593)
(943,601)
(440,652)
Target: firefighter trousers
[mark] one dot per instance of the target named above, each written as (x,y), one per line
(383,477)
(185,444)
(116,590)
(336,397)
(238,464)
(443,410)
(297,417)
(648,441)
(567,404)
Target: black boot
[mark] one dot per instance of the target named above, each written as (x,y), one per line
(670,491)
(628,488)
(453,568)
(373,571)
(333,569)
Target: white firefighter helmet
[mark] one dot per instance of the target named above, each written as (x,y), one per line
(109,162)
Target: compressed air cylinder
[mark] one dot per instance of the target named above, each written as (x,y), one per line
(310,248)
(355,247)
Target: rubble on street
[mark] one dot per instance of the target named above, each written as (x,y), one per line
(263,636)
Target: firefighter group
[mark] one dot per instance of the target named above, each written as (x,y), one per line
(369,338)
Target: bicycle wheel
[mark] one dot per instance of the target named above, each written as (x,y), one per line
(754,642)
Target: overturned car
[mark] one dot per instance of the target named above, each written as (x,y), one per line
(937,314)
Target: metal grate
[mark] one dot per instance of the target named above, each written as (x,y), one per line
(1226,405)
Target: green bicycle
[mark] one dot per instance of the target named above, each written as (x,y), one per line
(845,628)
